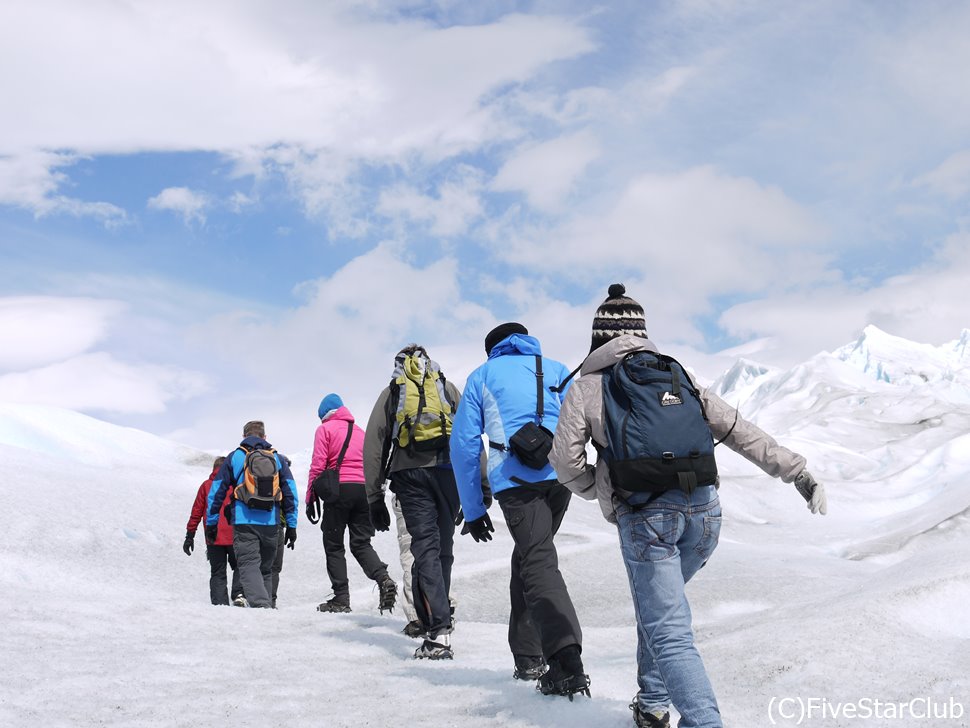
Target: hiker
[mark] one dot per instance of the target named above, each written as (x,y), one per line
(407,441)
(338,463)
(219,552)
(260,483)
(509,399)
(656,480)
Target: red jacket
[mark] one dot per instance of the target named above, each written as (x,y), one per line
(224,532)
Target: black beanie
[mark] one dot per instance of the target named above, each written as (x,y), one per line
(616,316)
(500,332)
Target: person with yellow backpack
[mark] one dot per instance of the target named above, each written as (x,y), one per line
(261,484)
(407,441)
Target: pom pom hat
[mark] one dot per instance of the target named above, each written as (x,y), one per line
(616,316)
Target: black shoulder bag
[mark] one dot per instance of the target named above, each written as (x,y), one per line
(326,486)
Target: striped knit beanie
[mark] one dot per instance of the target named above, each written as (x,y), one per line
(616,316)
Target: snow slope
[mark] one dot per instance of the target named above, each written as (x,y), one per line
(108,623)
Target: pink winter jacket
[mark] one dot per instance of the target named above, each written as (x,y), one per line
(327,442)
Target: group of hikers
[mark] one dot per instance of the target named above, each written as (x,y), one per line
(655,478)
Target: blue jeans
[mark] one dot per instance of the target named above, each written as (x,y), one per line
(663,545)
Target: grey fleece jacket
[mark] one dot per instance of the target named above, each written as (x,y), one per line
(581,419)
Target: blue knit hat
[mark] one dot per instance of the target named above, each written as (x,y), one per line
(330,402)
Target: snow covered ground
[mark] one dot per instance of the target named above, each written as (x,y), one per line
(107,622)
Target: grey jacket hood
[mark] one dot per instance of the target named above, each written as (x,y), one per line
(614,350)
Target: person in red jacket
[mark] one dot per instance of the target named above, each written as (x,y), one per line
(219,553)
(345,509)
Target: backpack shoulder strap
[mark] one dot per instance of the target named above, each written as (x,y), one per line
(564,382)
(343,450)
(540,404)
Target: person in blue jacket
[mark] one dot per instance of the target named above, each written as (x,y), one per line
(255,529)
(500,397)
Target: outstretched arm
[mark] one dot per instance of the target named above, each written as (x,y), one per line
(760,448)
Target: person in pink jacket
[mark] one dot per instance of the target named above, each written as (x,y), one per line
(345,509)
(219,553)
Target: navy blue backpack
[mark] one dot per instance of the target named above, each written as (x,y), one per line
(658,438)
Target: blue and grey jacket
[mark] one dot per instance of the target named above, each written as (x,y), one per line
(229,476)
(499,398)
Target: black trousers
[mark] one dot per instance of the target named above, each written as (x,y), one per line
(543,619)
(219,557)
(349,513)
(429,503)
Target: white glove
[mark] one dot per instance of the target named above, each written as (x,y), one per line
(813,492)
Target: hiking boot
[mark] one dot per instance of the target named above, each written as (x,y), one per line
(529,667)
(565,675)
(388,594)
(651,719)
(334,605)
(414,629)
(437,649)
(240,601)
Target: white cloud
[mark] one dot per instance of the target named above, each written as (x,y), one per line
(926,305)
(190,205)
(31,180)
(240,201)
(929,60)
(456,206)
(233,75)
(699,232)
(547,172)
(951,179)
(39,330)
(100,382)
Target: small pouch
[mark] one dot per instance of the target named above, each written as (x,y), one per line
(531,445)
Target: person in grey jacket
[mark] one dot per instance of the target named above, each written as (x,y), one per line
(424,483)
(665,537)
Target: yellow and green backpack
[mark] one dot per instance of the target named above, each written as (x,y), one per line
(423,415)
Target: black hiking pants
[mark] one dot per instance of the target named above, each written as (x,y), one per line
(255,548)
(543,619)
(429,503)
(219,557)
(349,513)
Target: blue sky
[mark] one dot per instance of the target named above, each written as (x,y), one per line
(215,213)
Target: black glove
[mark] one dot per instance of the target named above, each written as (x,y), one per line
(313,510)
(379,515)
(210,534)
(460,517)
(228,512)
(188,546)
(289,538)
(481,528)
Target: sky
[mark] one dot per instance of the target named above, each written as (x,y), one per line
(217,212)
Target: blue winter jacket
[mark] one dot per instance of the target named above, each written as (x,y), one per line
(499,398)
(229,476)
